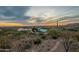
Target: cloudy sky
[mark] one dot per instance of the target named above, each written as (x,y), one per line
(35,14)
(38,11)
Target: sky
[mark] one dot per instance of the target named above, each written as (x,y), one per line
(38,14)
(37,10)
(52,10)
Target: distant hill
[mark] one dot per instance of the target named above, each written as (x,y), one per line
(72,26)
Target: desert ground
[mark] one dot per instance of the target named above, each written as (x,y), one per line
(54,40)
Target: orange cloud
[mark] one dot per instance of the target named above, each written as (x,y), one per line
(11,24)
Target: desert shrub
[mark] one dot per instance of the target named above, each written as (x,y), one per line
(18,48)
(71,29)
(54,33)
(26,43)
(76,36)
(4,44)
(66,34)
(40,33)
(32,34)
(7,31)
(43,37)
(75,47)
(67,40)
(24,32)
(37,41)
(27,46)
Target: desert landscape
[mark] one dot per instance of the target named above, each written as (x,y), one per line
(39,29)
(54,40)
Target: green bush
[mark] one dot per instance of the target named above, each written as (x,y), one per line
(54,33)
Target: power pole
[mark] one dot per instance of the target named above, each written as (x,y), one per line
(57,24)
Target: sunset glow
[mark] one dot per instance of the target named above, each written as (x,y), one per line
(35,15)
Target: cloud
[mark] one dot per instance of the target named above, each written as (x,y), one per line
(40,11)
(13,10)
(21,14)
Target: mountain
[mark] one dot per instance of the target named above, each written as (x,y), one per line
(72,26)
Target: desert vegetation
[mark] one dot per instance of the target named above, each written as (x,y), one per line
(26,41)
